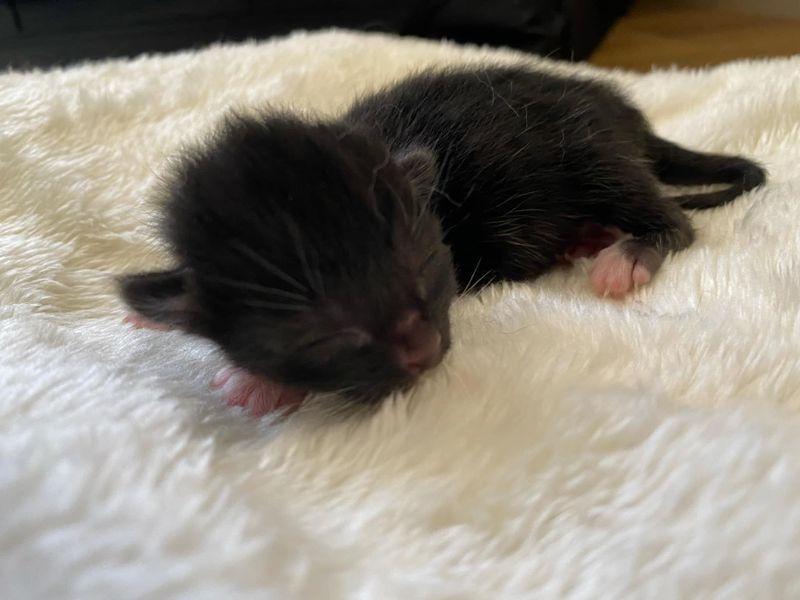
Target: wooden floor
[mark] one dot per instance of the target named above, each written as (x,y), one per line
(661,33)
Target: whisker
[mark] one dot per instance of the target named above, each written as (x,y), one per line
(474,271)
(478,282)
(269,266)
(471,285)
(274,305)
(255,287)
(301,254)
(514,197)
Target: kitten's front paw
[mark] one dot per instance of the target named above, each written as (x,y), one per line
(256,394)
(616,271)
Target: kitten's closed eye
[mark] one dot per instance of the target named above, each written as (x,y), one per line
(326,347)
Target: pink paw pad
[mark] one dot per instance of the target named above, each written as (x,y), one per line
(257,394)
(139,322)
(614,273)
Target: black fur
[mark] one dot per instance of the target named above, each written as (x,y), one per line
(299,243)
(525,157)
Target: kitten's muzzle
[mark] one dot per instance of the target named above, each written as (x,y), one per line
(417,343)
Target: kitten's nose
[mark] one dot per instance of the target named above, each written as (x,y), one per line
(417,343)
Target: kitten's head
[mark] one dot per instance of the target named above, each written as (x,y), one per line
(309,253)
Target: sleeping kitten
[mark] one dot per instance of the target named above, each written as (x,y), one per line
(323,256)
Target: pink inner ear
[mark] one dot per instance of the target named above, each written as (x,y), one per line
(174,312)
(139,322)
(178,305)
(159,296)
(177,311)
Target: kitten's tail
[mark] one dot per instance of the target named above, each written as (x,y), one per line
(678,166)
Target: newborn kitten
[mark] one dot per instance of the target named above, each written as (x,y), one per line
(323,255)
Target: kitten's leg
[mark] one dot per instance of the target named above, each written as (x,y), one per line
(590,239)
(256,394)
(657,226)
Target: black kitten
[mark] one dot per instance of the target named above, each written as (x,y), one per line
(324,255)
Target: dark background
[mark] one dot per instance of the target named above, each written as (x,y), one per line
(41,33)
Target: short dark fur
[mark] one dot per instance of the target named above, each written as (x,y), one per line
(525,157)
(300,242)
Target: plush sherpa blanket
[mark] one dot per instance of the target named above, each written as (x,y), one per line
(569,447)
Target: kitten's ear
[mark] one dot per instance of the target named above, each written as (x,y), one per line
(419,165)
(162,297)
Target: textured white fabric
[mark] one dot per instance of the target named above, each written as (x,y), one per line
(569,447)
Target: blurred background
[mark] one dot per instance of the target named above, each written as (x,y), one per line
(633,34)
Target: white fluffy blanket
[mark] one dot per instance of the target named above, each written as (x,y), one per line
(570,446)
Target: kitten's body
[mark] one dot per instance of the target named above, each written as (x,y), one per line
(318,254)
(526,158)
